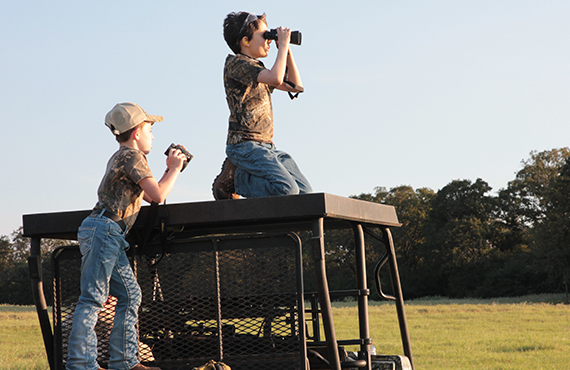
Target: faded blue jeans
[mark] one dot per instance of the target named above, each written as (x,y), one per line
(263,171)
(105,270)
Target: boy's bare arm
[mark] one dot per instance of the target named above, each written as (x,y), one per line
(292,76)
(157,191)
(276,75)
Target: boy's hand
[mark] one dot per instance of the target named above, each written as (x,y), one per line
(283,37)
(187,156)
(175,159)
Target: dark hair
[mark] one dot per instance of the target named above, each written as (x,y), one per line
(125,136)
(232,26)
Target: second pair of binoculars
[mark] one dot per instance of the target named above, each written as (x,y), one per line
(294,39)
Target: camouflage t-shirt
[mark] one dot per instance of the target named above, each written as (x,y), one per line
(251,113)
(119,191)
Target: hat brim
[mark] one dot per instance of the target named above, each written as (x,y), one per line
(155,118)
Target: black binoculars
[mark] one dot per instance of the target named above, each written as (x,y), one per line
(184,151)
(272,35)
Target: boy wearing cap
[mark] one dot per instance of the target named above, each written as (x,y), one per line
(105,269)
(254,167)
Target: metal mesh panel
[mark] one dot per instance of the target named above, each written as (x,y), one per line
(259,303)
(247,288)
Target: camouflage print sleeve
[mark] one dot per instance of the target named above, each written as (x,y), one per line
(245,71)
(137,167)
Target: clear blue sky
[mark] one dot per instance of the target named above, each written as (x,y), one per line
(397,92)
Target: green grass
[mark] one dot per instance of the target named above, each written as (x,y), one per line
(21,344)
(510,333)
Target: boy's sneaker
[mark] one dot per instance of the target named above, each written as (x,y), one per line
(223,186)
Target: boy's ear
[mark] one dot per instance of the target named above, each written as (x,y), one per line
(136,133)
(245,41)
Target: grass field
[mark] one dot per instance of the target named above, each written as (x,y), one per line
(525,333)
(516,333)
(21,345)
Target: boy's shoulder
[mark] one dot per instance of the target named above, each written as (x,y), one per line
(242,70)
(127,152)
(126,159)
(242,61)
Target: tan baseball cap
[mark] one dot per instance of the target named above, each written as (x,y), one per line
(125,116)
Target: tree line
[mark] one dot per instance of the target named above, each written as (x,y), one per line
(15,284)
(461,241)
(464,241)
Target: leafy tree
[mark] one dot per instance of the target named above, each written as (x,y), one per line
(340,259)
(524,200)
(532,213)
(4,254)
(552,245)
(412,207)
(460,222)
(14,273)
(459,236)
(12,264)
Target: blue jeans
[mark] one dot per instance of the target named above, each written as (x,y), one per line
(105,270)
(263,171)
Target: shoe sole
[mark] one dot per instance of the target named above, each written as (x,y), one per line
(218,195)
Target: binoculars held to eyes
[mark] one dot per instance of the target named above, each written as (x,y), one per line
(272,35)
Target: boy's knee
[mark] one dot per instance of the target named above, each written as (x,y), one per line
(286,189)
